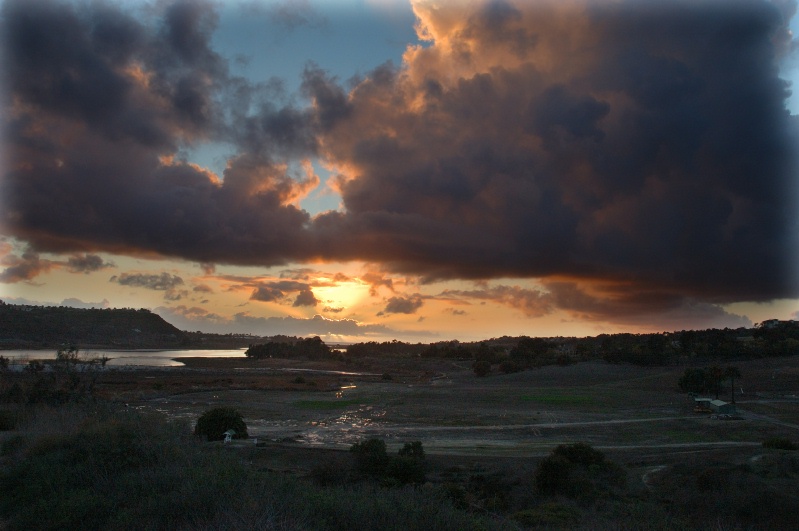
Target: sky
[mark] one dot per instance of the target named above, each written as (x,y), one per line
(368,170)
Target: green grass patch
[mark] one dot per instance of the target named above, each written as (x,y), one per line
(559,398)
(326,405)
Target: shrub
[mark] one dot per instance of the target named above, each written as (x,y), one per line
(412,449)
(481,367)
(578,470)
(329,473)
(509,366)
(553,476)
(214,423)
(779,443)
(405,470)
(580,454)
(371,458)
(8,420)
(549,515)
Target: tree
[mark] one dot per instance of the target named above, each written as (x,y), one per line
(215,422)
(732,373)
(481,367)
(717,375)
(371,458)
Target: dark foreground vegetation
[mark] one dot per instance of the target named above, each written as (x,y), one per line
(106,469)
(94,466)
(70,460)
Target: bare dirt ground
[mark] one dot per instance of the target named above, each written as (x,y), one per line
(636,415)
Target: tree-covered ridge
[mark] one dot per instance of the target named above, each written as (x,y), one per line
(283,347)
(51,326)
(770,338)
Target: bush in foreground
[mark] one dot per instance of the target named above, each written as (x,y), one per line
(779,443)
(407,467)
(215,422)
(577,470)
(123,471)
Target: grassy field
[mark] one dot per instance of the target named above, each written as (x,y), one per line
(484,439)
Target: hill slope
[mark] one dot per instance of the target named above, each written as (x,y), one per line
(53,326)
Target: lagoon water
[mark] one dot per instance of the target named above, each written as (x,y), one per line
(141,358)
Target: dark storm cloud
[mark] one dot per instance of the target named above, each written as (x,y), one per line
(279,290)
(655,310)
(636,143)
(162,282)
(24,268)
(406,305)
(87,263)
(192,318)
(97,105)
(305,298)
(629,141)
(532,303)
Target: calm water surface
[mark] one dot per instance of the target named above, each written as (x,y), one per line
(146,358)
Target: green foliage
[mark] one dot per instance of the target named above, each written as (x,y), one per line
(51,326)
(481,368)
(405,470)
(708,380)
(447,350)
(509,366)
(579,454)
(8,419)
(553,476)
(392,348)
(215,422)
(371,457)
(310,348)
(780,443)
(528,350)
(577,470)
(67,354)
(82,481)
(372,461)
(412,449)
(550,515)
(558,397)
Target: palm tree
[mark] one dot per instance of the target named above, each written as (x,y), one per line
(732,373)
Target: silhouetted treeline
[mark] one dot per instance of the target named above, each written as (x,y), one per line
(770,338)
(311,348)
(52,326)
(387,348)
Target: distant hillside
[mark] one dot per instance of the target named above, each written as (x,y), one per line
(52,326)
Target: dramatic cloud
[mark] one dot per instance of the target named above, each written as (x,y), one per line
(87,263)
(620,304)
(305,298)
(295,13)
(406,305)
(636,144)
(162,282)
(532,303)
(24,268)
(279,290)
(191,318)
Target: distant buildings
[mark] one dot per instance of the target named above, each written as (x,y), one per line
(709,405)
